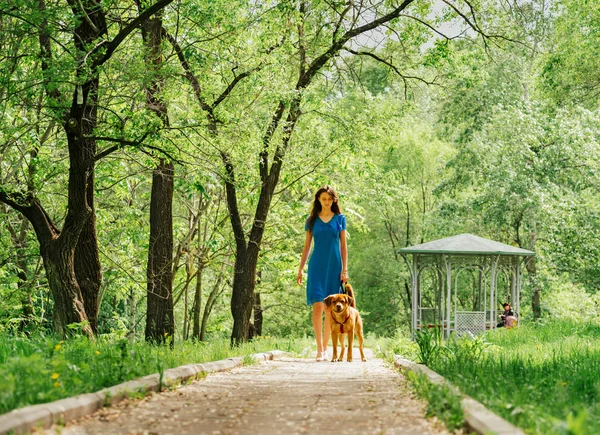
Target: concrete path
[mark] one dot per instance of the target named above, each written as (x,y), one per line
(285,396)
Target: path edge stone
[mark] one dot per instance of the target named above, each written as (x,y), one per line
(478,418)
(21,421)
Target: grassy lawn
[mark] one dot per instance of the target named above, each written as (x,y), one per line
(40,370)
(543,378)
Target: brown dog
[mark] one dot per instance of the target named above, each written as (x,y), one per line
(345,320)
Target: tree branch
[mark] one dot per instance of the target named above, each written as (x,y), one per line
(31,208)
(335,47)
(412,17)
(232,85)
(475,25)
(389,64)
(315,166)
(117,40)
(263,160)
(189,75)
(120,143)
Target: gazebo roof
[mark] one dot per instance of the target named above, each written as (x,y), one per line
(466,244)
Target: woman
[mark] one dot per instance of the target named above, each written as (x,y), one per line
(328,264)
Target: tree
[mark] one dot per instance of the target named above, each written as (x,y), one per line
(160,323)
(73,279)
(275,147)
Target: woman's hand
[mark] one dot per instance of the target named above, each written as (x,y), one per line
(344,276)
(299,277)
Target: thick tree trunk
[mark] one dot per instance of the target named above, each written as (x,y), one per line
(87,262)
(69,309)
(160,323)
(242,297)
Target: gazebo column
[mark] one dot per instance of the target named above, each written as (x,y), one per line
(513,280)
(447,261)
(517,301)
(415,292)
(493,293)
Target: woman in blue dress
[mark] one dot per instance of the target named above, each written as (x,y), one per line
(328,264)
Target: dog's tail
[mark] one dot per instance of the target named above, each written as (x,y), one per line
(350,292)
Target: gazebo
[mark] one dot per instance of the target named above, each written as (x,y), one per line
(460,282)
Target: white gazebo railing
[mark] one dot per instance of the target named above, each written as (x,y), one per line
(469,322)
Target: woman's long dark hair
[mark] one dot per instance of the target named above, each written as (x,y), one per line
(316,208)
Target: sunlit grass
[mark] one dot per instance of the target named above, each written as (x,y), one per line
(40,370)
(543,378)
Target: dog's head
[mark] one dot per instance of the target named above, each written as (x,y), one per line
(339,302)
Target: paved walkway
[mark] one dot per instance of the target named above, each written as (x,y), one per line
(285,396)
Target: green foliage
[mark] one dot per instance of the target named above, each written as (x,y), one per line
(541,377)
(398,344)
(430,345)
(506,148)
(569,72)
(566,301)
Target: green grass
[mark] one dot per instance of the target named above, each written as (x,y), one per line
(442,402)
(40,370)
(543,378)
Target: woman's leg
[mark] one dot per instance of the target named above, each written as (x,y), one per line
(317,319)
(327,328)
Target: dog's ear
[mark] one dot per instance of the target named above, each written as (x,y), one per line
(328,300)
(350,300)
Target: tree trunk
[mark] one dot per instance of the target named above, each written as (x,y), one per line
(197,300)
(132,313)
(242,297)
(532,271)
(160,322)
(258,315)
(210,302)
(247,254)
(87,263)
(159,316)
(59,263)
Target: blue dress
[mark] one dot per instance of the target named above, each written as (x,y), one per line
(325,264)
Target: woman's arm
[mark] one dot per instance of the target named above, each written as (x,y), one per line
(305,251)
(344,252)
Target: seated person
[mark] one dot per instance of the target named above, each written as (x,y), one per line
(508,318)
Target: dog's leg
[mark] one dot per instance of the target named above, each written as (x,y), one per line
(343,342)
(359,336)
(334,342)
(350,342)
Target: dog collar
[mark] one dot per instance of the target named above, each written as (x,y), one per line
(341,324)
